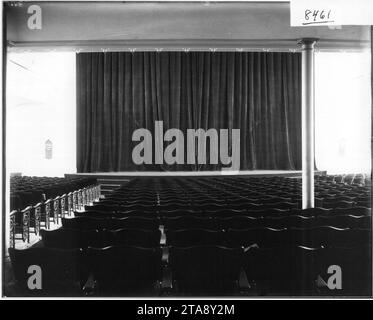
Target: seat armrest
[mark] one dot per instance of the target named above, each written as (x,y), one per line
(252,246)
(165,256)
(90,286)
(243,282)
(29,208)
(166,283)
(14,212)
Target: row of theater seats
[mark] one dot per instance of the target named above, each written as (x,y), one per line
(186,236)
(361,179)
(214,222)
(322,236)
(196,270)
(28,191)
(210,210)
(328,194)
(238,193)
(35,210)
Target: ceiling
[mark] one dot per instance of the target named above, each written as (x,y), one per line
(89,26)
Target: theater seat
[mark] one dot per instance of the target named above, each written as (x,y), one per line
(72,238)
(134,237)
(193,237)
(205,270)
(344,221)
(94,214)
(355,265)
(133,223)
(189,222)
(262,237)
(288,270)
(63,272)
(356,211)
(323,236)
(84,223)
(125,270)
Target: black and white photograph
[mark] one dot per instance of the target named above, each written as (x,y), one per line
(166,150)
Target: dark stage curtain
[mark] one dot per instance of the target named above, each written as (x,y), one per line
(256,92)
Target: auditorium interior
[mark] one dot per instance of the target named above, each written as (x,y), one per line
(106,195)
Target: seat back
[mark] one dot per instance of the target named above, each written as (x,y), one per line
(344,221)
(134,237)
(84,223)
(189,222)
(351,265)
(193,237)
(71,238)
(133,223)
(63,272)
(321,236)
(124,269)
(356,211)
(239,222)
(206,269)
(285,270)
(282,205)
(295,221)
(314,212)
(262,237)
(94,214)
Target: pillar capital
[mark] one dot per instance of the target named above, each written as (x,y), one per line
(307,43)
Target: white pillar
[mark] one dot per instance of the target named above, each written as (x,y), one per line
(308,126)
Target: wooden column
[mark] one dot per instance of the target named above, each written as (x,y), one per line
(308,126)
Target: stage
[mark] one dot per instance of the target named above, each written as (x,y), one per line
(142,174)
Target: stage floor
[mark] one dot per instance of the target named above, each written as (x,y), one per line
(139,174)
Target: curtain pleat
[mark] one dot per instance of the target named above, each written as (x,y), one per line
(119,92)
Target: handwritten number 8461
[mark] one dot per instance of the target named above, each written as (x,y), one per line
(316,14)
